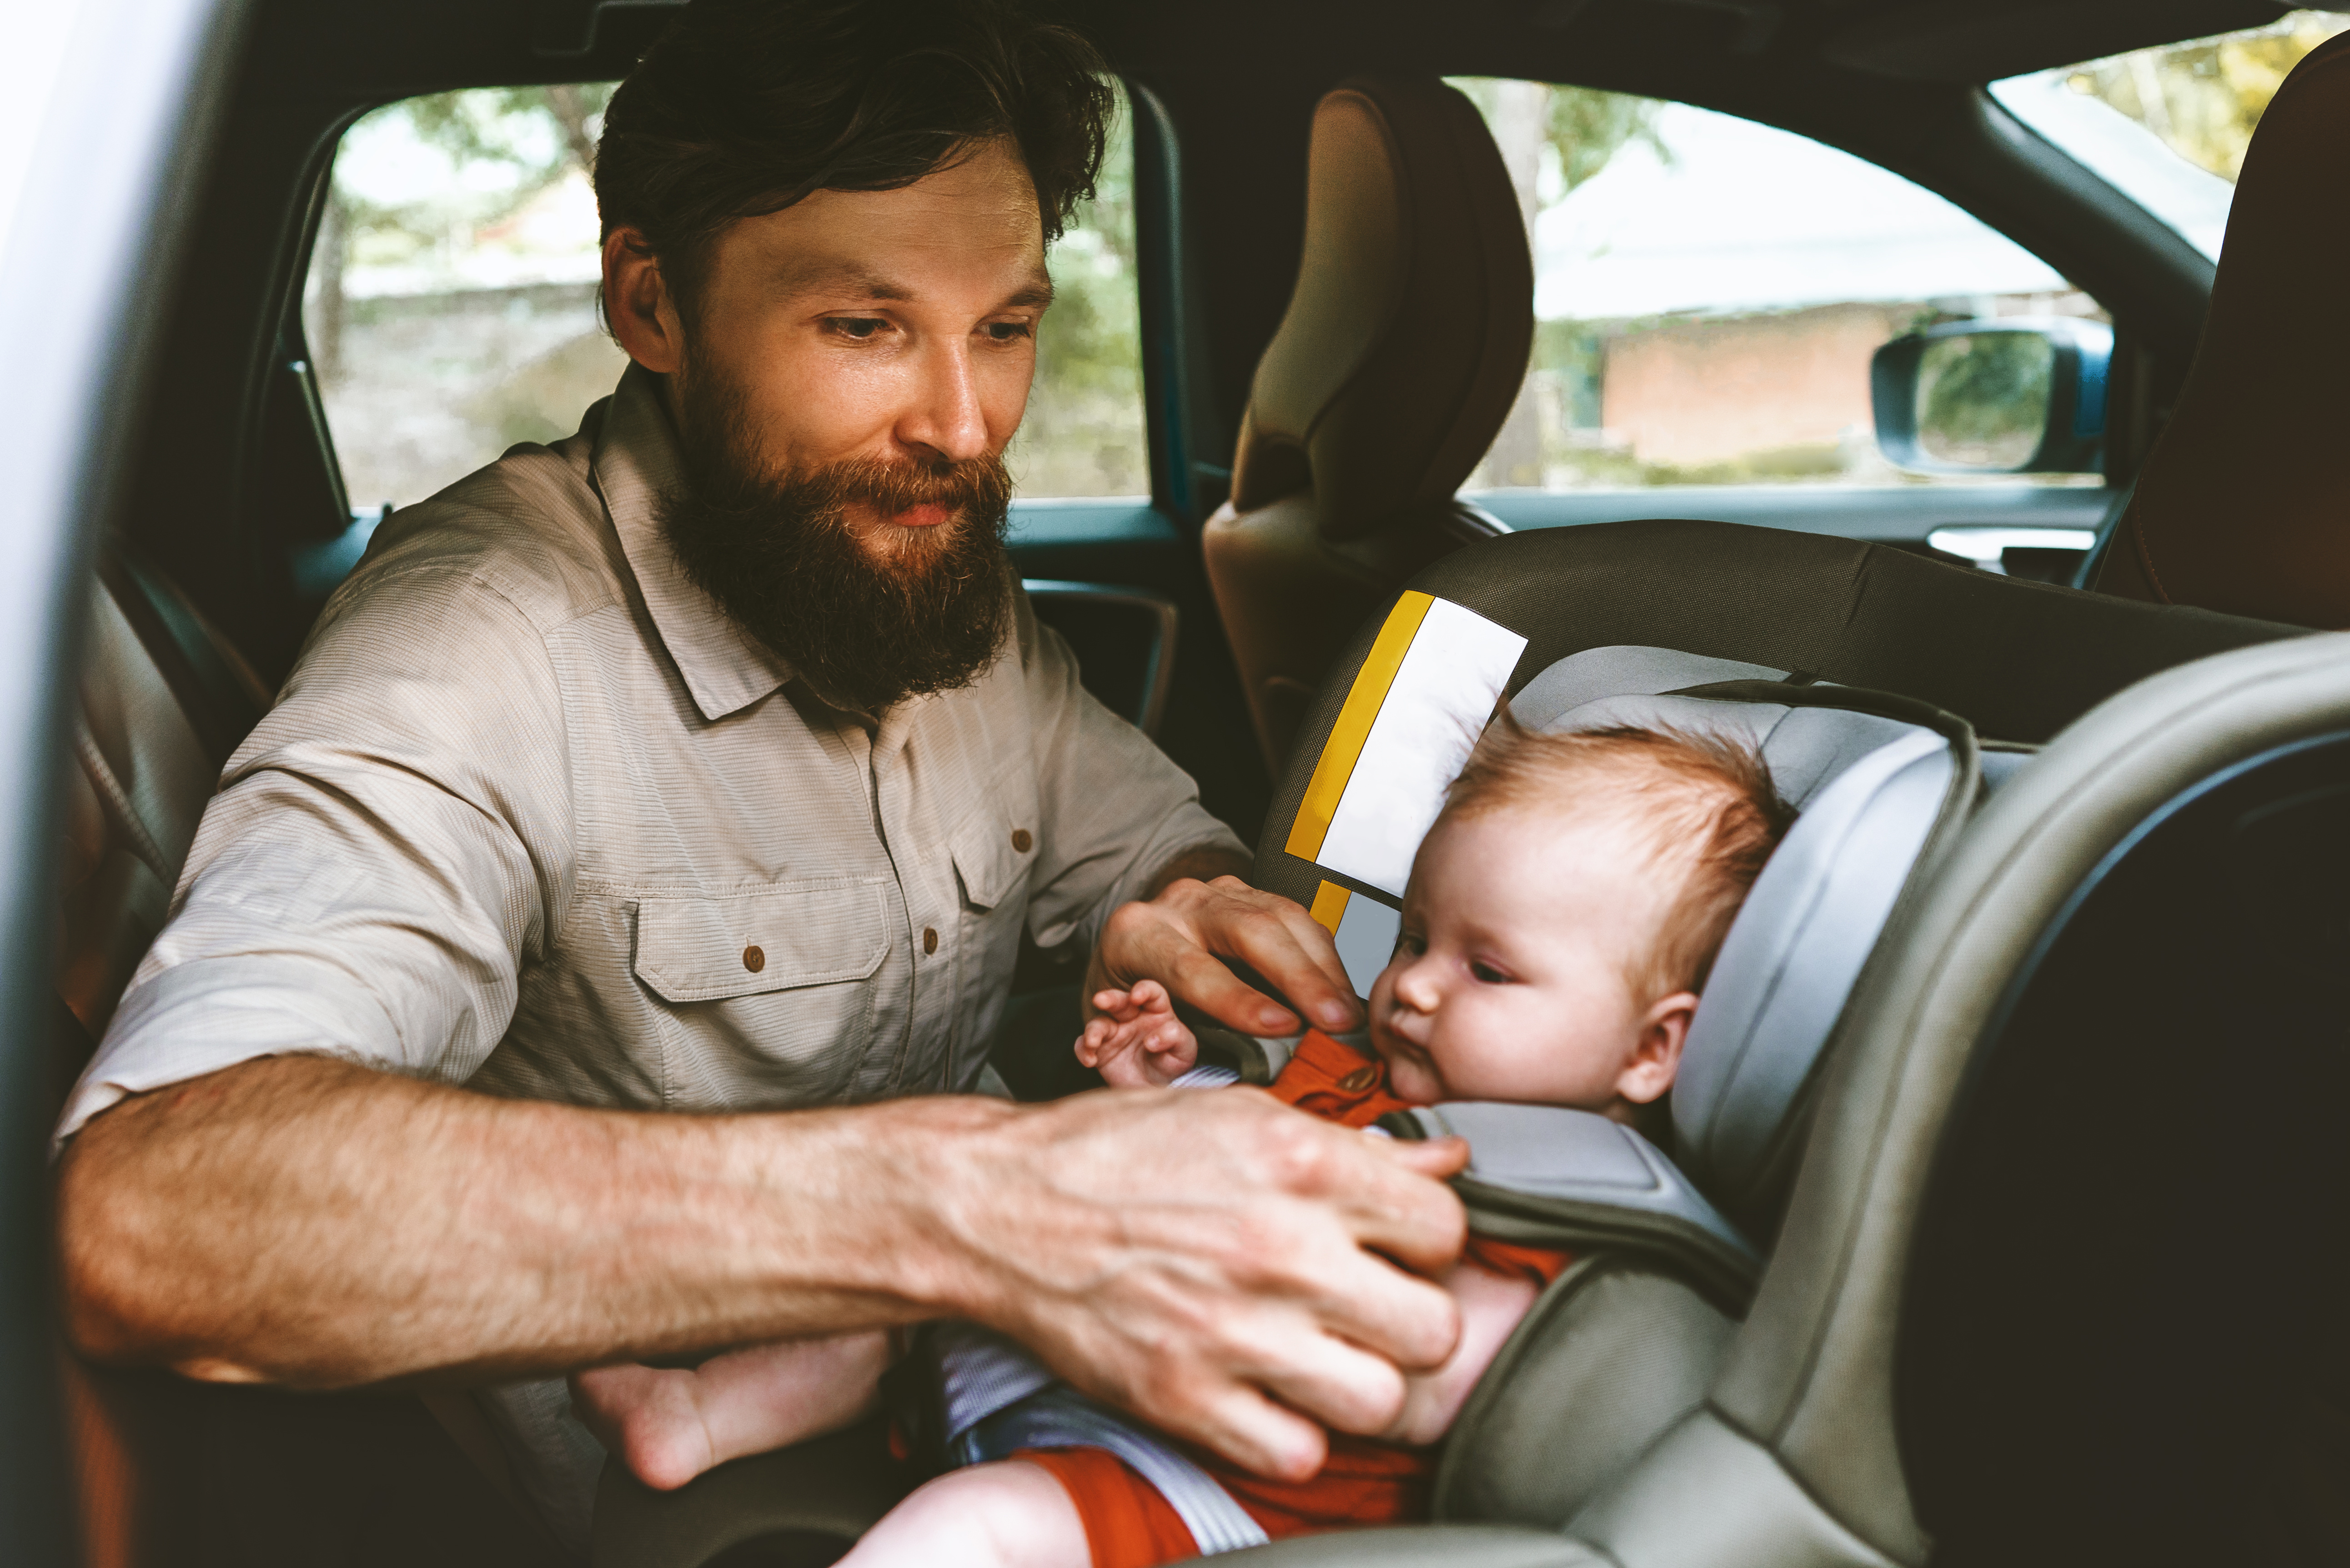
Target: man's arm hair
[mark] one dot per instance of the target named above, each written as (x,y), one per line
(298,1219)
(1205,1259)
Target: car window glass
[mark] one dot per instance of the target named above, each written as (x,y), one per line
(1709,292)
(451,302)
(2168,126)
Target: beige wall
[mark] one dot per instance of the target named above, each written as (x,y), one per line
(1708,391)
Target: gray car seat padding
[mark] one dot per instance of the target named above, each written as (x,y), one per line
(2017,659)
(1809,1374)
(1611,1356)
(1543,1176)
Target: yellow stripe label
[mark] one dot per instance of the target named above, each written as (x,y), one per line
(1330,906)
(1345,747)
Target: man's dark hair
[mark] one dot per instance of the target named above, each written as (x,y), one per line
(744,107)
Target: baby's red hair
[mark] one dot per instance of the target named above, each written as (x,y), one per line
(1700,804)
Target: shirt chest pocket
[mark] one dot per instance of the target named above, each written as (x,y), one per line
(782,976)
(709,950)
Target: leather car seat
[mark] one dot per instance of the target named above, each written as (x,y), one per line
(2242,504)
(1404,344)
(162,700)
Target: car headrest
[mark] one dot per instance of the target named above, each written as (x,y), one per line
(2240,505)
(1869,791)
(1406,337)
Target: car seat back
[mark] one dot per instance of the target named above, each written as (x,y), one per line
(2239,504)
(162,700)
(1405,342)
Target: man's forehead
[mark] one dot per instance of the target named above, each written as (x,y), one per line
(906,277)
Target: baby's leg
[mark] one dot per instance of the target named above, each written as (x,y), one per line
(1011,1514)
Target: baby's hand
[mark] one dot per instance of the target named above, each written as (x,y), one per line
(1138,1043)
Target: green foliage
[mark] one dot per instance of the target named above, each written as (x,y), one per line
(1588,128)
(1084,433)
(2204,96)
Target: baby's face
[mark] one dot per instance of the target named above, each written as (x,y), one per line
(1512,977)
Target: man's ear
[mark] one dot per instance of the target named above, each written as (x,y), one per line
(1657,1058)
(638,303)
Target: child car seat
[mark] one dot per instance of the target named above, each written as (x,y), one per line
(1876,781)
(1786,1446)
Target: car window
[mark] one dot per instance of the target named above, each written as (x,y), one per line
(451,302)
(1709,292)
(2168,126)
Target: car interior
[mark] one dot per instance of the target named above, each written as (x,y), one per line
(1988,1223)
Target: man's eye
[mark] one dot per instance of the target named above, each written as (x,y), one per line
(860,327)
(1008,331)
(1486,974)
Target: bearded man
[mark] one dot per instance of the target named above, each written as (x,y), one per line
(589,956)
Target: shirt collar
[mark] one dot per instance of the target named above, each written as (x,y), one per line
(636,461)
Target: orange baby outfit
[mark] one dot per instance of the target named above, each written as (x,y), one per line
(1365,1482)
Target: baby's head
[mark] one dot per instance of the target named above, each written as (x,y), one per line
(1563,912)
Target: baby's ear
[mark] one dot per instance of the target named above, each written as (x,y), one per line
(1657,1056)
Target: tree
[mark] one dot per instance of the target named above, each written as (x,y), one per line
(1552,140)
(504,145)
(2205,95)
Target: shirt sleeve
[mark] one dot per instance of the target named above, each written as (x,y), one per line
(388,847)
(1114,809)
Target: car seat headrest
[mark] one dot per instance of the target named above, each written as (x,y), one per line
(1406,337)
(2240,505)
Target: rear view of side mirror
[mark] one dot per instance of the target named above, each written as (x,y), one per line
(2012,395)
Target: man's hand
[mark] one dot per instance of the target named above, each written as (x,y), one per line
(1216,1262)
(1178,937)
(1135,1041)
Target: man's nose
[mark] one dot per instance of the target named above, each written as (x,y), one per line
(944,418)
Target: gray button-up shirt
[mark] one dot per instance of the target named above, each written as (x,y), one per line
(533,816)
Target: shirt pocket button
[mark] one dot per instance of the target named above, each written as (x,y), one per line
(1020,840)
(754,960)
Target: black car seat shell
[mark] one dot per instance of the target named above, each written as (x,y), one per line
(1404,344)
(2239,504)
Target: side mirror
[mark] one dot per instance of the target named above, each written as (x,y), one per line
(2012,395)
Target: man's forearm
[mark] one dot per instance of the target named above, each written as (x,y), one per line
(298,1219)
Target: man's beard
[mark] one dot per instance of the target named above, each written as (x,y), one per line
(924,612)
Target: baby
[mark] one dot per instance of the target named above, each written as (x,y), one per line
(1557,926)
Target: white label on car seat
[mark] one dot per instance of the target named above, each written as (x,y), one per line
(1444,690)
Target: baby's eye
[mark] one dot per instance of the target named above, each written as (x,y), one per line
(857,328)
(1486,974)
